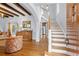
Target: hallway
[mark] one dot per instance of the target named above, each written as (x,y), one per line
(24,29)
(59,44)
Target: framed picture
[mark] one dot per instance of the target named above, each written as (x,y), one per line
(26,24)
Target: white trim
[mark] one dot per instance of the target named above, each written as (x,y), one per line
(37,40)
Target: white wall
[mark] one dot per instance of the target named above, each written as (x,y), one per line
(4,23)
(57,12)
(52,11)
(36,16)
(61,16)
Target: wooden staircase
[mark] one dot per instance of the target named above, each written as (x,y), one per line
(68,46)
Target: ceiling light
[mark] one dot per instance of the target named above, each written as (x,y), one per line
(2,15)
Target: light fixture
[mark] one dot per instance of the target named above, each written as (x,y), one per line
(2,15)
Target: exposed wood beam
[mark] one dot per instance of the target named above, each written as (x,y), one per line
(8,11)
(6,14)
(6,5)
(18,5)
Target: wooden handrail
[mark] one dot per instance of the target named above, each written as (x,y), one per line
(49,23)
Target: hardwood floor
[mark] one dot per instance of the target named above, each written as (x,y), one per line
(30,48)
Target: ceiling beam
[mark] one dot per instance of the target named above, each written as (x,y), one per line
(8,11)
(6,14)
(6,5)
(22,8)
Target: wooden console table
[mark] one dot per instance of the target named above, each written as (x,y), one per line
(27,35)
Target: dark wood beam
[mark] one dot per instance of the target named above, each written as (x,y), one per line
(22,8)
(8,11)
(6,14)
(6,5)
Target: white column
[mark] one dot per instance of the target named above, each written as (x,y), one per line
(38,32)
(49,41)
(41,29)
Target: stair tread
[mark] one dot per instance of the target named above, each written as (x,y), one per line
(58,36)
(65,48)
(58,39)
(68,37)
(59,42)
(68,34)
(57,33)
(54,54)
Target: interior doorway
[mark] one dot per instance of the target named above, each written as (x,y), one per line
(44,31)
